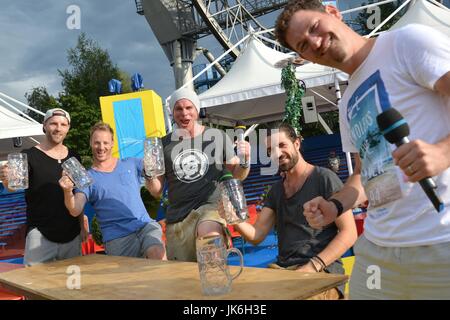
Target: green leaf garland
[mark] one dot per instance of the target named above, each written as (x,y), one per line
(294,93)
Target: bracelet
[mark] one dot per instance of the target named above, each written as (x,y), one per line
(322,263)
(147,177)
(339,206)
(314,265)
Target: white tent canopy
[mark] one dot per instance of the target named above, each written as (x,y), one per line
(425,12)
(13,125)
(251,91)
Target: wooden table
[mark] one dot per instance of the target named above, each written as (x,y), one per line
(107,277)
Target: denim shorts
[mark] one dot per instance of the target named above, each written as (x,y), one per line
(136,243)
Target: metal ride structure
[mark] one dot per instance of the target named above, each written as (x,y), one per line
(178,24)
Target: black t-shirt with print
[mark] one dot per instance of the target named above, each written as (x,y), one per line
(45,198)
(193,166)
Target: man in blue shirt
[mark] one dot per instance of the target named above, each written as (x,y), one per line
(115,196)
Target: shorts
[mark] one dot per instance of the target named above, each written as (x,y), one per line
(181,236)
(136,243)
(400,273)
(38,249)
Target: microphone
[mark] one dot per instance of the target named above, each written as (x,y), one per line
(395,129)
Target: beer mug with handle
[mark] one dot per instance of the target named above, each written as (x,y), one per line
(153,157)
(77,173)
(233,199)
(212,256)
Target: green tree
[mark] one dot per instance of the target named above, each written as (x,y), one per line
(83,116)
(90,70)
(125,78)
(331,118)
(86,79)
(41,100)
(360,23)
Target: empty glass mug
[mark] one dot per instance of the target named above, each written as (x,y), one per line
(233,199)
(17,171)
(212,256)
(77,173)
(153,157)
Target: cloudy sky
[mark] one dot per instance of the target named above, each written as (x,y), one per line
(34,41)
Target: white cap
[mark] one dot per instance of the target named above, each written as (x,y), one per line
(184,93)
(56,112)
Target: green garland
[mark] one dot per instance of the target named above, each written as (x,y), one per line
(294,93)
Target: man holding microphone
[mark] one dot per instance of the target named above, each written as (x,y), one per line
(406,241)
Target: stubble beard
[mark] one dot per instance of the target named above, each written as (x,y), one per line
(288,166)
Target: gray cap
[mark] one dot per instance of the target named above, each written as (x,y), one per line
(184,93)
(56,112)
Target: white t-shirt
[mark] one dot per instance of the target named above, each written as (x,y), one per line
(399,72)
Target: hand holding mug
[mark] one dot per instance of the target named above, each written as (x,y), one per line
(65,183)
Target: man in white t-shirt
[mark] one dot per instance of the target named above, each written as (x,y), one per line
(405,250)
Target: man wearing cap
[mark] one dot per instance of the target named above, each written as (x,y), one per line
(195,159)
(52,233)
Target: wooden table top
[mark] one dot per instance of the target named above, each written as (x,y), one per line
(109,277)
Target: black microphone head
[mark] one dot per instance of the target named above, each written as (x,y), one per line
(392,125)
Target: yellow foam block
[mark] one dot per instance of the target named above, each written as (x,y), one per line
(151,108)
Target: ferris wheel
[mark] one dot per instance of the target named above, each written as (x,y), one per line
(229,21)
(179,24)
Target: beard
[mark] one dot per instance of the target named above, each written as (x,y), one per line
(55,138)
(336,50)
(338,54)
(292,162)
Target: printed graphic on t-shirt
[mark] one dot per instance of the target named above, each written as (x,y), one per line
(379,174)
(190,165)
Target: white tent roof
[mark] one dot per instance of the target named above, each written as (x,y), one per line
(12,125)
(424,12)
(251,91)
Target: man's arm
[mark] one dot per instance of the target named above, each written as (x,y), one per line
(84,226)
(320,212)
(442,86)
(73,202)
(236,170)
(234,166)
(419,159)
(258,232)
(343,241)
(155,186)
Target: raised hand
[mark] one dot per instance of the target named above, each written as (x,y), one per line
(65,183)
(319,212)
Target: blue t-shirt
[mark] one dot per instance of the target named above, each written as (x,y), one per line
(116,199)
